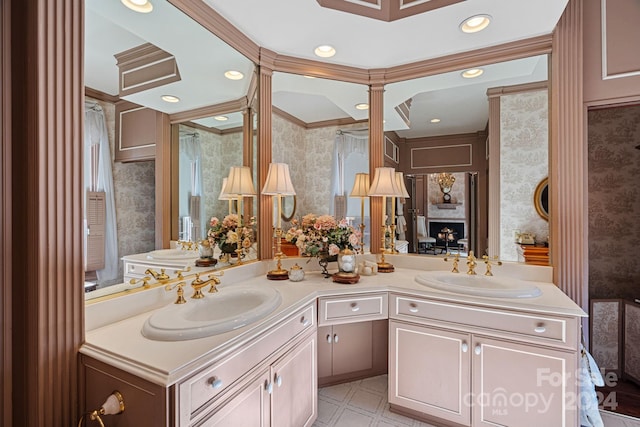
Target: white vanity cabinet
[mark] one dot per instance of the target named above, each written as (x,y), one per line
(277,369)
(282,394)
(352,337)
(477,366)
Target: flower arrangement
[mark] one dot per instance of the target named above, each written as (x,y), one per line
(226,233)
(323,234)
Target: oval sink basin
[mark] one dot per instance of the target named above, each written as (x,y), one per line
(484,286)
(230,308)
(172,255)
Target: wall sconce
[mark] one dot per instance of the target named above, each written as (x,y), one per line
(278,184)
(240,185)
(384,185)
(361,189)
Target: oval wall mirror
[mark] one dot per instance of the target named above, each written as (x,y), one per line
(541,199)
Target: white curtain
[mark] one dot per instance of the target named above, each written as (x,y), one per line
(191,184)
(98,177)
(350,156)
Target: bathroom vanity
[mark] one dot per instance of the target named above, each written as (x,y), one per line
(453,359)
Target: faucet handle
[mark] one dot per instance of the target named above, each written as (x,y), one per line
(145,282)
(179,285)
(455,260)
(178,273)
(487,260)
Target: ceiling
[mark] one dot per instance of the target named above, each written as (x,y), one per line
(296,27)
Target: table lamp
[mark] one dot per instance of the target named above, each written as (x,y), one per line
(278,184)
(225,196)
(361,189)
(240,184)
(384,185)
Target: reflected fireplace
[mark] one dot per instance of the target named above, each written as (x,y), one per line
(446,239)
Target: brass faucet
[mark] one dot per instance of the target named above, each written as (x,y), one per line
(471,264)
(160,277)
(179,285)
(487,261)
(198,284)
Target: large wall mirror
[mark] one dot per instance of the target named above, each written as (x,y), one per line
(194,63)
(320,128)
(442,127)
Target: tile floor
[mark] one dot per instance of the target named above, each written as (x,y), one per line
(360,403)
(364,403)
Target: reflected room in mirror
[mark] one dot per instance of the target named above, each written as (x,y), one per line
(131,64)
(442,124)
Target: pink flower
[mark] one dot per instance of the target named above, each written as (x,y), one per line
(333,249)
(354,240)
(214,221)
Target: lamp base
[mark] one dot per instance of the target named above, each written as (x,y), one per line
(385,267)
(278,274)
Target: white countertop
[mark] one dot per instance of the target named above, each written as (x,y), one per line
(113,326)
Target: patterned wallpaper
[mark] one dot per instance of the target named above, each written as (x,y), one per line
(614,202)
(309,154)
(135,198)
(523,164)
(219,153)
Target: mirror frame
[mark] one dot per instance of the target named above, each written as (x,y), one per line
(541,199)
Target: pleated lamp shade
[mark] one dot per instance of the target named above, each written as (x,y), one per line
(240,182)
(223,195)
(384,183)
(278,181)
(400,183)
(360,186)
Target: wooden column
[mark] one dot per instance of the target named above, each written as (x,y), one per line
(42,205)
(494,176)
(163,182)
(6,235)
(567,175)
(376,159)
(265,211)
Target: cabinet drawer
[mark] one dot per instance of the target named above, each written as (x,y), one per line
(353,308)
(543,329)
(196,392)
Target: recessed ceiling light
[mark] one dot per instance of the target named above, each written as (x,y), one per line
(325,51)
(472,73)
(221,118)
(233,75)
(362,106)
(475,23)
(435,120)
(170,98)
(142,6)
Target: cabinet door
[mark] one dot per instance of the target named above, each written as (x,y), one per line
(521,385)
(325,350)
(429,371)
(294,400)
(352,347)
(249,407)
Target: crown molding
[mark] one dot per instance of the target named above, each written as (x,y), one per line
(100,96)
(210,110)
(521,88)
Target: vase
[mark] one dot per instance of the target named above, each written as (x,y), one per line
(324,259)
